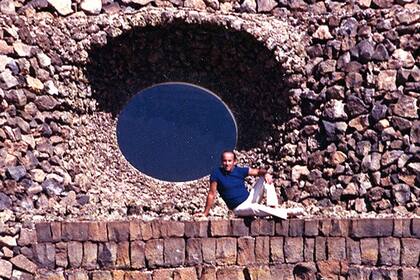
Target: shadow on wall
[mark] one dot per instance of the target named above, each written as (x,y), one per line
(232,64)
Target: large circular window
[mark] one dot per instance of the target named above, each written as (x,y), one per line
(175,131)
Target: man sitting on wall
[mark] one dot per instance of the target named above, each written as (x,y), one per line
(229,181)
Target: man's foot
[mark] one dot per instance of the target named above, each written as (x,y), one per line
(295,212)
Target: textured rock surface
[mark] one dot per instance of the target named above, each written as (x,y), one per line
(324,93)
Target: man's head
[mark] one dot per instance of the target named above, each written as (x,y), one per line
(228,159)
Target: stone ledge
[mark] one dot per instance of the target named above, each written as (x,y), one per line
(128,245)
(324,269)
(138,230)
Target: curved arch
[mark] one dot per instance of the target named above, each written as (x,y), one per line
(218,52)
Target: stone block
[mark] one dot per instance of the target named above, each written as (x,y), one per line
(118,274)
(276,249)
(138,275)
(72,231)
(359,273)
(369,251)
(107,254)
(410,251)
(259,272)
(389,251)
(415,227)
(402,228)
(172,229)
(261,227)
(154,253)
(329,269)
(21,275)
(75,254)
(293,249)
(194,256)
(174,252)
(77,275)
(122,259)
(339,227)
(282,228)
(185,273)
(155,224)
(196,229)
(336,248)
(56,231)
(9,241)
(43,232)
(6,269)
(146,231)
(101,275)
(50,275)
(163,274)
(90,255)
(262,249)
(240,227)
(296,227)
(137,249)
(118,231)
(320,248)
(208,247)
(44,254)
(324,227)
(220,228)
(97,231)
(362,228)
(311,228)
(410,273)
(385,273)
(309,249)
(353,251)
(22,262)
(208,273)
(27,237)
(61,259)
(226,251)
(229,273)
(246,250)
(282,272)
(134,231)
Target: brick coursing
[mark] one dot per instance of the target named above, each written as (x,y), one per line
(228,249)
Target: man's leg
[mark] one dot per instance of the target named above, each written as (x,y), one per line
(257,191)
(255,209)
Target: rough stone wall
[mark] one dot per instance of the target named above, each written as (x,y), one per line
(220,249)
(338,83)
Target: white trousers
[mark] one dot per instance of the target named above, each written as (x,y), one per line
(252,207)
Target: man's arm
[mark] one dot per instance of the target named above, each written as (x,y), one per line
(262,173)
(257,172)
(210,197)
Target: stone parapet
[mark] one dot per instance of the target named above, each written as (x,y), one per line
(217,249)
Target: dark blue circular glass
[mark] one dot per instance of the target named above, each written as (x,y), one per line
(175,131)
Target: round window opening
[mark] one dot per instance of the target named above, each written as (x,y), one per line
(175,131)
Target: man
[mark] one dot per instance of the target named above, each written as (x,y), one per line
(229,181)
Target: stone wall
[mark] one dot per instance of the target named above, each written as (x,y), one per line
(217,249)
(325,93)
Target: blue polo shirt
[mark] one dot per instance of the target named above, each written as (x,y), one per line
(231,185)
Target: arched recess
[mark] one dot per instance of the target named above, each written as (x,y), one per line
(231,62)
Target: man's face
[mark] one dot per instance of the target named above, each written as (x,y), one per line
(228,161)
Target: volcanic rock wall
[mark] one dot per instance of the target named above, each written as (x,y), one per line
(327,93)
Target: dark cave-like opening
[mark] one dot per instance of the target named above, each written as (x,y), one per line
(232,64)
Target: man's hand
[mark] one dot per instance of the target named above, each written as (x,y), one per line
(268,178)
